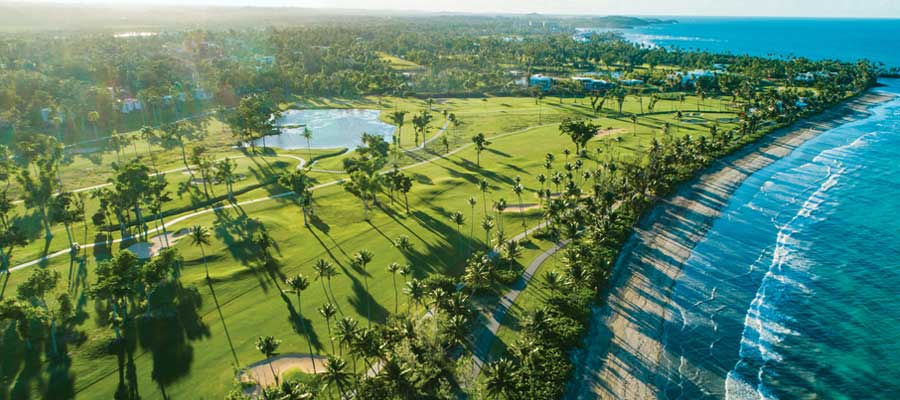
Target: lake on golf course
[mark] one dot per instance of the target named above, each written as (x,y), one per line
(331,128)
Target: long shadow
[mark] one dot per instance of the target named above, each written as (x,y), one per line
(212,291)
(301,324)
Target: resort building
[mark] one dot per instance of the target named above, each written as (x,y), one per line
(129,105)
(631,82)
(544,82)
(591,84)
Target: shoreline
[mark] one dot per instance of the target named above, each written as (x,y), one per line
(624,345)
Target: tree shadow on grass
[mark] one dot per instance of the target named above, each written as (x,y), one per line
(168,330)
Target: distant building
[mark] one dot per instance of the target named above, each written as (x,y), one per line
(720,67)
(544,82)
(45,114)
(688,78)
(129,105)
(591,84)
(805,77)
(631,82)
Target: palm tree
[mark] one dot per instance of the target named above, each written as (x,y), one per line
(500,379)
(459,219)
(328,311)
(307,134)
(517,189)
(324,271)
(148,134)
(393,268)
(336,374)
(363,258)
(487,224)
(480,142)
(415,290)
(346,332)
(200,237)
(297,285)
(268,345)
(483,186)
(472,202)
(225,173)
(398,118)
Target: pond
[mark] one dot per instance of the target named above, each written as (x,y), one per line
(331,128)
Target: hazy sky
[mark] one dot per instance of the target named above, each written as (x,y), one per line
(793,8)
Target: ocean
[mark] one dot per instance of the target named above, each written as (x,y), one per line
(843,39)
(795,290)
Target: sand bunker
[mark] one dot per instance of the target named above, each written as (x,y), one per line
(261,372)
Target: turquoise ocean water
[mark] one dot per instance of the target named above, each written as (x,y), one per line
(844,39)
(795,290)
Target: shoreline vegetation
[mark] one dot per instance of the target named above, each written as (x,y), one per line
(623,347)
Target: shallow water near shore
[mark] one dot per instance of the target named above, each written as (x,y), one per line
(793,293)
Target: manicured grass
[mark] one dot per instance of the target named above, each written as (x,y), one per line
(249,297)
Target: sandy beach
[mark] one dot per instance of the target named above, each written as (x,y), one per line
(624,347)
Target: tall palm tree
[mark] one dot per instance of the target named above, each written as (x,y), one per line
(399,118)
(517,189)
(297,285)
(336,374)
(481,143)
(324,271)
(483,186)
(487,224)
(200,237)
(472,202)
(346,332)
(268,345)
(459,219)
(328,311)
(393,268)
(363,258)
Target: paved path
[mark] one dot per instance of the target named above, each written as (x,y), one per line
(486,333)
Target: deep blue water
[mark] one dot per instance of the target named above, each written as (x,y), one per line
(795,290)
(845,39)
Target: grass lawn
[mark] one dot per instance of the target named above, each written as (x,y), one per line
(249,297)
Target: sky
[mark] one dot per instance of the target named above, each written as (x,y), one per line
(781,8)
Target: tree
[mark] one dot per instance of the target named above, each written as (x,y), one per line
(38,193)
(224,171)
(324,271)
(517,189)
(422,122)
(254,118)
(404,186)
(393,268)
(484,186)
(472,202)
(297,285)
(363,258)
(149,135)
(363,185)
(336,374)
(415,290)
(328,311)
(132,184)
(500,379)
(459,219)
(487,224)
(398,118)
(200,237)
(298,182)
(481,143)
(346,332)
(268,345)
(580,131)
(307,134)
